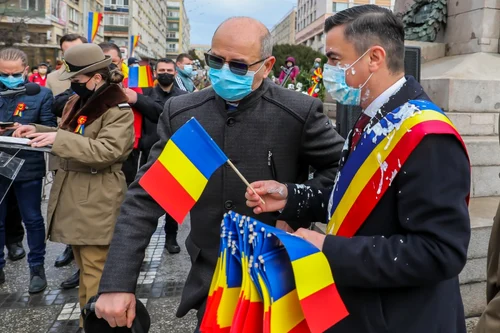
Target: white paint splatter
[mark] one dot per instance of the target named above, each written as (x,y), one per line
(280,190)
(406,111)
(383,168)
(394,174)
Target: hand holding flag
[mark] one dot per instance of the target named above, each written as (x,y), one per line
(275,195)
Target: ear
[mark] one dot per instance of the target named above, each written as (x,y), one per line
(97,78)
(27,70)
(378,58)
(268,66)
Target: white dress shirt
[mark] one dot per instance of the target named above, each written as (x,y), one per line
(374,106)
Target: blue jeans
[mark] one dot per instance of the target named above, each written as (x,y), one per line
(29,200)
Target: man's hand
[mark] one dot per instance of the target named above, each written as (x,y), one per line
(23,130)
(131,95)
(273,193)
(313,237)
(282,225)
(118,309)
(42,139)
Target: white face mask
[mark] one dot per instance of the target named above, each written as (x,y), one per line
(42,71)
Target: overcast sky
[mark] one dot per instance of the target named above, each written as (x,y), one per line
(205,15)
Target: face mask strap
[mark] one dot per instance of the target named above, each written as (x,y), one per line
(354,63)
(364,84)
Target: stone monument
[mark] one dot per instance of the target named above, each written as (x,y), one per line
(461,73)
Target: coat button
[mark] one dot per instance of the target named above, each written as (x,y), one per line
(228,205)
(230,121)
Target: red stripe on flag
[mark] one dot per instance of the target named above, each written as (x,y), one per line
(209,322)
(254,320)
(267,321)
(301,327)
(368,198)
(167,192)
(323,309)
(240,314)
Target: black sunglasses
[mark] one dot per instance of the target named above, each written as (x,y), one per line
(237,67)
(16,75)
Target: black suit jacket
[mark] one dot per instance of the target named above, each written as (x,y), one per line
(399,273)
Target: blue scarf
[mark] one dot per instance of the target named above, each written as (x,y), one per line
(186,80)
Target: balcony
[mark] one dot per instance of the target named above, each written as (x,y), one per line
(172,50)
(116,9)
(115,28)
(173,40)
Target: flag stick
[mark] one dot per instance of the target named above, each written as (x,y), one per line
(244,180)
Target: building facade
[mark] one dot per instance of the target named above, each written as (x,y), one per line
(37,26)
(311,16)
(284,31)
(123,18)
(200,49)
(178,29)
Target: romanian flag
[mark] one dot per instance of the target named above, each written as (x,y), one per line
(285,284)
(94,22)
(179,176)
(125,70)
(134,41)
(140,77)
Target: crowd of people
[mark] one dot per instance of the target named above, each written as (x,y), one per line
(395,255)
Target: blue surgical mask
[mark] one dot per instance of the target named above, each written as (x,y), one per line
(334,80)
(188,69)
(12,82)
(231,87)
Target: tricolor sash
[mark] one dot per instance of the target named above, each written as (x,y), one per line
(372,166)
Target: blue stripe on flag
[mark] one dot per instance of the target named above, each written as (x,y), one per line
(199,147)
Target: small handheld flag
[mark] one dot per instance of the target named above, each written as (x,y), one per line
(134,41)
(19,110)
(94,22)
(80,129)
(179,176)
(140,77)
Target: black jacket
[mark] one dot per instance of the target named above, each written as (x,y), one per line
(274,133)
(150,104)
(399,273)
(60,102)
(38,110)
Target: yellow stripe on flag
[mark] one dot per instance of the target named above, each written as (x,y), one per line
(265,293)
(183,170)
(312,268)
(372,164)
(286,313)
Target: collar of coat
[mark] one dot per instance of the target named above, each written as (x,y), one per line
(104,99)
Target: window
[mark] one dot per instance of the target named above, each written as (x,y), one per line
(172,14)
(172,34)
(117,3)
(54,8)
(29,4)
(339,6)
(74,16)
(116,20)
(173,26)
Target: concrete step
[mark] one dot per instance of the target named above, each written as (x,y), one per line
(473,123)
(474,298)
(484,153)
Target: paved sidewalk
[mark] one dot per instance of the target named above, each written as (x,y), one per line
(57,311)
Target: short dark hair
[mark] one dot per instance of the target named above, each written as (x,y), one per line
(368,25)
(72,37)
(107,46)
(181,57)
(165,60)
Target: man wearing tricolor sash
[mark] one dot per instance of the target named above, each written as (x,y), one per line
(398,222)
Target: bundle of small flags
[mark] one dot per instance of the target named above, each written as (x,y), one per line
(316,78)
(269,281)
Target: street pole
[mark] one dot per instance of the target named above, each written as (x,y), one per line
(85,18)
(130,23)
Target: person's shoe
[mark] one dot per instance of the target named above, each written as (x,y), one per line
(15,251)
(2,276)
(65,258)
(38,281)
(72,282)
(171,244)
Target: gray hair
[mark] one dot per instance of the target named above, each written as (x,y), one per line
(13,54)
(266,39)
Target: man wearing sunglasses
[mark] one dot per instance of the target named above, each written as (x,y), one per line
(264,129)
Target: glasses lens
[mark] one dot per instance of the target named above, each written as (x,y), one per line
(13,75)
(214,61)
(238,68)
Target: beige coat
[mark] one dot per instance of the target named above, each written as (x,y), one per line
(54,84)
(89,186)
